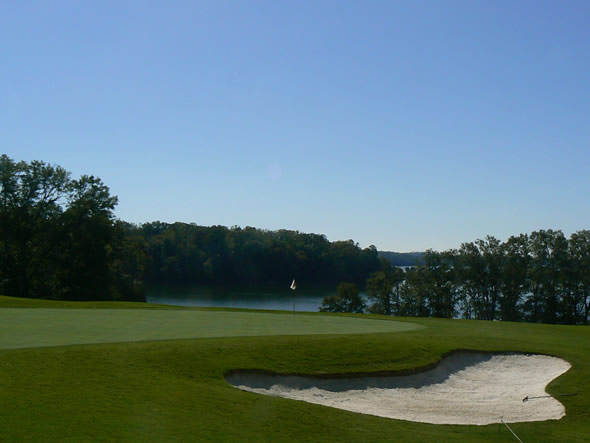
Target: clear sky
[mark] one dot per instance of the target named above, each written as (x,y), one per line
(403,124)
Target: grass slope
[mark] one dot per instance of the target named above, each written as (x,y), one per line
(16,302)
(175,390)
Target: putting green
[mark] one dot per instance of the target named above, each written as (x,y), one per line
(30,328)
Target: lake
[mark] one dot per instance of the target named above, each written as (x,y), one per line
(236,297)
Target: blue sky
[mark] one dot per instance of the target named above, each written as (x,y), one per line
(407,125)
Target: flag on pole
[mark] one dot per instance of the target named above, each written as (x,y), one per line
(293,285)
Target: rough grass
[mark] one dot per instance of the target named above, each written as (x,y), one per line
(175,390)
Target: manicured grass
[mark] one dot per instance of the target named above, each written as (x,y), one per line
(175,390)
(35,327)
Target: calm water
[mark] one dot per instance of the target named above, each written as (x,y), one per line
(303,300)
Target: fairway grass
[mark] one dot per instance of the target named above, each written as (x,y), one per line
(175,390)
(31,327)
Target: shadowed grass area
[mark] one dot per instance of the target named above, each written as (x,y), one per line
(175,389)
(16,302)
(31,327)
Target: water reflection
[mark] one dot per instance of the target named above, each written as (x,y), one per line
(208,296)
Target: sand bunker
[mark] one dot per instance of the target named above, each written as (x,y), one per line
(464,388)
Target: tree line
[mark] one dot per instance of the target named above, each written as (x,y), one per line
(541,277)
(192,254)
(59,239)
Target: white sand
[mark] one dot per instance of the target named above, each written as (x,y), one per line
(465,388)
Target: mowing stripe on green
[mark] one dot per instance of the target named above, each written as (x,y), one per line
(28,328)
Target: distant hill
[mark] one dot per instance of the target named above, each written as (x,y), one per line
(403,258)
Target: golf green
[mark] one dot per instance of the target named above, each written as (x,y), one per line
(28,328)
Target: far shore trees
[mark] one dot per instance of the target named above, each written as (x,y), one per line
(182,253)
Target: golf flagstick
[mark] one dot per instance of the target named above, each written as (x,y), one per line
(293,287)
(527,398)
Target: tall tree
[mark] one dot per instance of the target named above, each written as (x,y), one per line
(88,233)
(31,197)
(514,279)
(439,278)
(578,303)
(479,269)
(379,292)
(56,234)
(492,256)
(347,299)
(548,260)
(414,292)
(384,290)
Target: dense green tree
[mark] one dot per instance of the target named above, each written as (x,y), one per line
(397,276)
(86,249)
(384,290)
(31,197)
(414,293)
(469,268)
(514,278)
(347,299)
(130,263)
(439,279)
(479,269)
(548,250)
(493,261)
(56,234)
(379,292)
(577,302)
